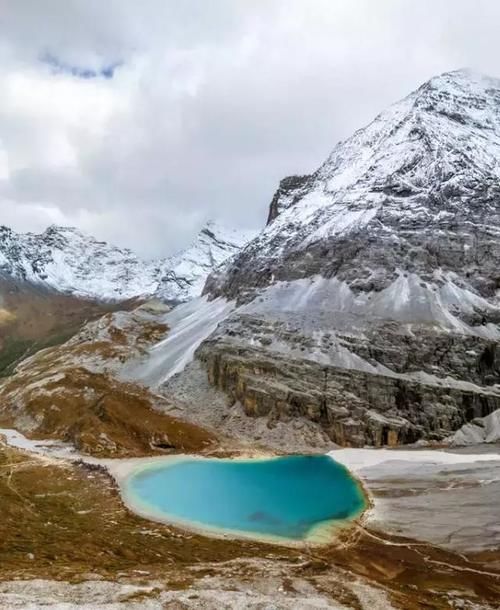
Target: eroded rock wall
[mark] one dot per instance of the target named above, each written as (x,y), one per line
(355,408)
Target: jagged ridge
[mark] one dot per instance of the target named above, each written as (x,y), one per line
(66,260)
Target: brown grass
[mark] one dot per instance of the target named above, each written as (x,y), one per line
(57,395)
(64,521)
(102,416)
(32,318)
(6,316)
(72,521)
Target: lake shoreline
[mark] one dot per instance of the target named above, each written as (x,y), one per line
(323,533)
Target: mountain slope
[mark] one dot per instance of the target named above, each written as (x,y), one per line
(65,260)
(33,317)
(71,392)
(370,302)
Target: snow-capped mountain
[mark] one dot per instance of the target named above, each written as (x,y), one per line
(371,301)
(68,261)
(428,166)
(183,275)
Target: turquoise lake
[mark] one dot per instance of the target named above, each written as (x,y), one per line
(285,497)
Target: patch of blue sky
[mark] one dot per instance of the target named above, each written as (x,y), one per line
(106,71)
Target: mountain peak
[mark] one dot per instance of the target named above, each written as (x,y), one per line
(469,93)
(441,138)
(430,160)
(219,232)
(373,292)
(463,78)
(55,228)
(63,231)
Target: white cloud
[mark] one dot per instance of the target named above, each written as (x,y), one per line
(214,103)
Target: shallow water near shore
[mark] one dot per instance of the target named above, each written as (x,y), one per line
(292,498)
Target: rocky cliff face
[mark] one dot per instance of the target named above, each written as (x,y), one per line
(67,261)
(370,301)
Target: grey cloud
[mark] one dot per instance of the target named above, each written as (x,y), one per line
(215,102)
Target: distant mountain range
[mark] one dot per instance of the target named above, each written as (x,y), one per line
(67,261)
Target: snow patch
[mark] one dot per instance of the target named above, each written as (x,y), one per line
(408,299)
(357,460)
(189,325)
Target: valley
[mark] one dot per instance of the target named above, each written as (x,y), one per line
(361,325)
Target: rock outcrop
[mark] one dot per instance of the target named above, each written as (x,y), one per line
(282,375)
(479,430)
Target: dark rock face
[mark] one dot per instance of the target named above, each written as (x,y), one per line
(417,190)
(355,408)
(388,387)
(290,190)
(368,258)
(380,271)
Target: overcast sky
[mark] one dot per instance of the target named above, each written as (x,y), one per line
(137,121)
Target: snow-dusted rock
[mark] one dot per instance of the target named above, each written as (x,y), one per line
(183,275)
(65,260)
(480,430)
